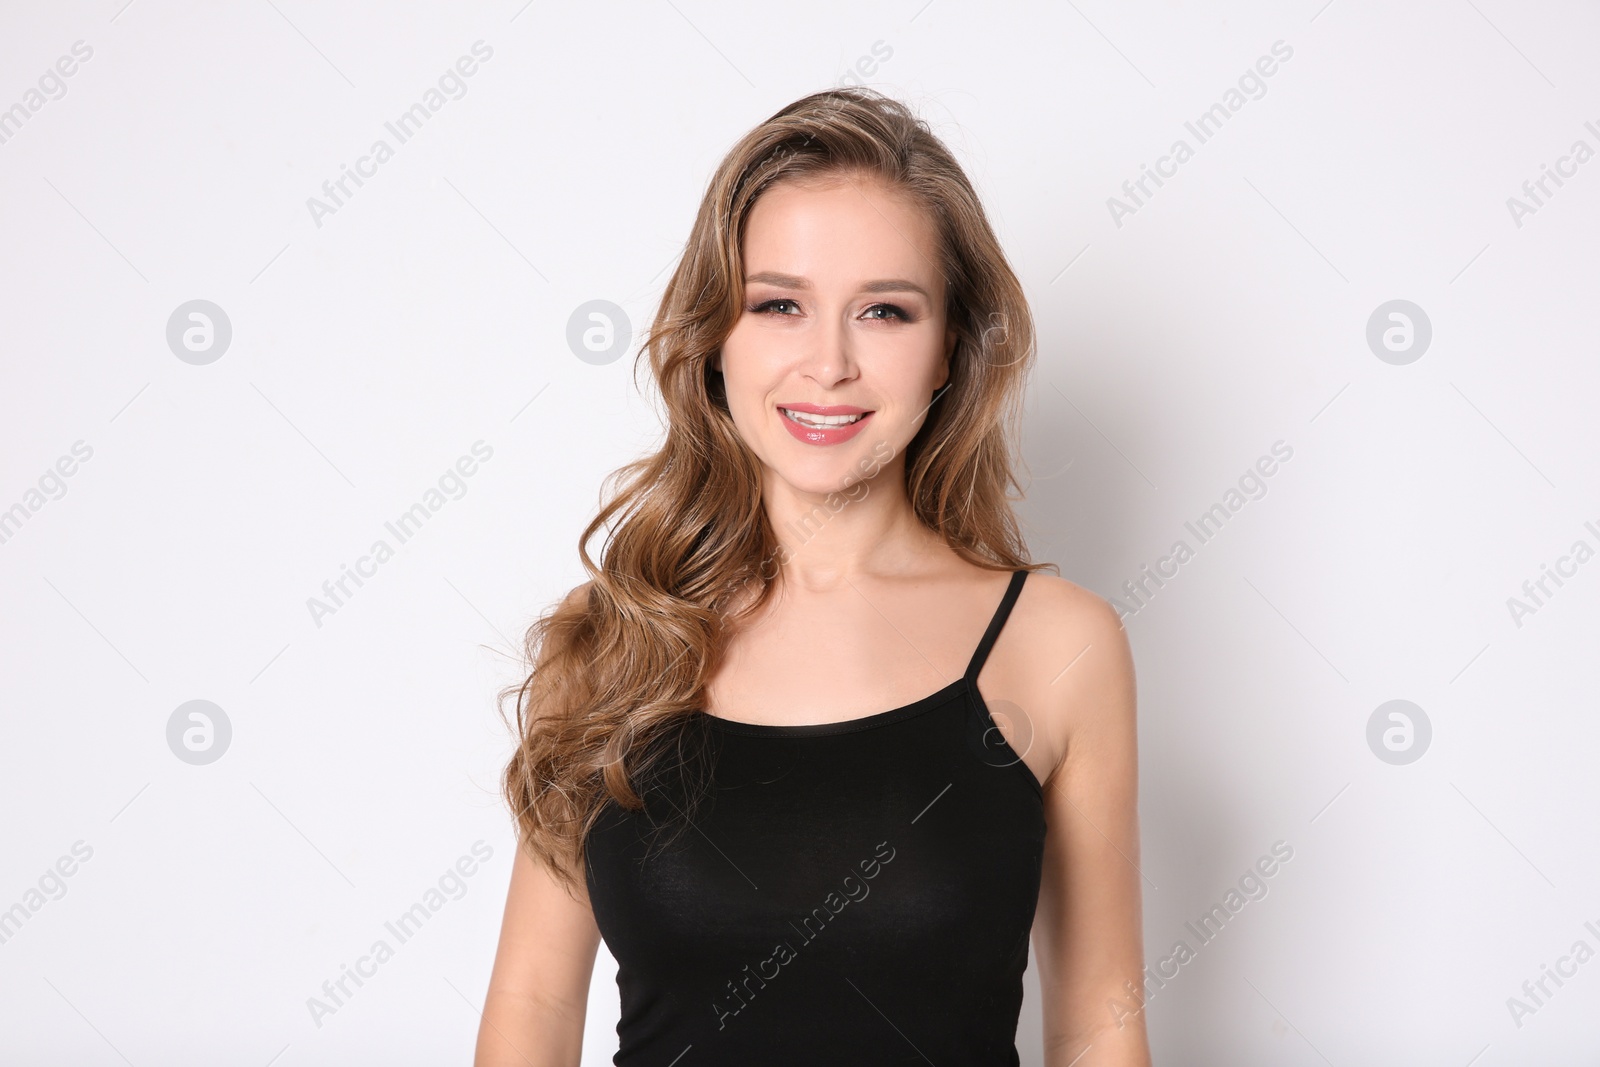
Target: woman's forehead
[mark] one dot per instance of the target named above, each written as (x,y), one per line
(842,231)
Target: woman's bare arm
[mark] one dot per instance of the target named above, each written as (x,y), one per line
(1087,931)
(538,993)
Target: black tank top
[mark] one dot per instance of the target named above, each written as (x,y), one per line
(856,892)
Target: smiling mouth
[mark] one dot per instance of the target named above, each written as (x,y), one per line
(822,422)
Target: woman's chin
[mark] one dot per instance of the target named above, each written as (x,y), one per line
(811,482)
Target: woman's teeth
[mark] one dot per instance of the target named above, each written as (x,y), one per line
(805,418)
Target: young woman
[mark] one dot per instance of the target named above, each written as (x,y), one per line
(707,777)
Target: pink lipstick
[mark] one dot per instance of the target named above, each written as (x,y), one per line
(823,424)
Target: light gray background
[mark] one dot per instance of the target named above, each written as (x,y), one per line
(430,312)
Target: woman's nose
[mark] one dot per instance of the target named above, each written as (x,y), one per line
(829,357)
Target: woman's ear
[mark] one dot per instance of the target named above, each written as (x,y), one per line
(949,350)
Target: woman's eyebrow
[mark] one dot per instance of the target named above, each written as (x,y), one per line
(791,281)
(896,285)
(784,281)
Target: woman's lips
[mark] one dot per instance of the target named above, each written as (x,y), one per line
(822,424)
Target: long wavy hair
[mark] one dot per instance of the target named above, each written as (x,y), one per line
(619,669)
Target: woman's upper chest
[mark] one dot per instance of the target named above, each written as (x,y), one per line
(861,650)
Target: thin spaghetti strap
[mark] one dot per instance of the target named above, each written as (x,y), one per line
(996,624)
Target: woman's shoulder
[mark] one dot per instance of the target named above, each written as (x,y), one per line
(1064,660)
(1067,637)
(1052,607)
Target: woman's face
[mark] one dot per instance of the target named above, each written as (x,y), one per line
(843,341)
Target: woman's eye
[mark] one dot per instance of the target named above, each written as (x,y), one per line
(892,311)
(787,308)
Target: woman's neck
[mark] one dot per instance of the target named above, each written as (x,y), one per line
(867,528)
